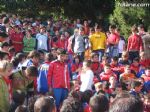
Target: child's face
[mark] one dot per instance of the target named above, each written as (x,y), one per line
(147,72)
(95,58)
(114,62)
(128,70)
(107,69)
(76,60)
(138,89)
(135,63)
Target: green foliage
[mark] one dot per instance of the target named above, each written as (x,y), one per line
(89,9)
(125,17)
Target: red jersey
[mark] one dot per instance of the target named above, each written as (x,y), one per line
(105,77)
(17,41)
(113,39)
(58,75)
(62,43)
(134,43)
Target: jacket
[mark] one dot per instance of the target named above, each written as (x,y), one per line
(58,75)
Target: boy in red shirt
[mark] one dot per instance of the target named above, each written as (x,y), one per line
(135,44)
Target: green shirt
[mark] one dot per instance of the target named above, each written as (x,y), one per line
(29,44)
(4,96)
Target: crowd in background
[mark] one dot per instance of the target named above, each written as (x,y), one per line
(72,66)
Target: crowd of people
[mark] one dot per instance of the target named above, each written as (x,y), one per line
(72,66)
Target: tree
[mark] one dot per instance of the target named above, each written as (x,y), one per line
(128,13)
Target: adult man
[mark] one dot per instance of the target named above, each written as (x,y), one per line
(58,78)
(98,42)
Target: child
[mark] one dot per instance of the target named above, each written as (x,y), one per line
(135,66)
(127,75)
(146,76)
(104,76)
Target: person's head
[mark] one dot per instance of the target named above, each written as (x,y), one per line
(107,68)
(136,85)
(141,28)
(76,59)
(54,52)
(86,96)
(112,28)
(86,64)
(45,104)
(127,69)
(5,68)
(81,31)
(28,33)
(112,81)
(42,29)
(98,86)
(18,97)
(11,51)
(91,31)
(48,57)
(134,29)
(99,103)
(114,60)
(126,104)
(31,72)
(95,57)
(35,56)
(4,56)
(71,105)
(98,28)
(76,32)
(136,61)
(147,71)
(5,46)
(125,55)
(17,29)
(21,57)
(61,54)
(42,54)
(105,60)
(62,37)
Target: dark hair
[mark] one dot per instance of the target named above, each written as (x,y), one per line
(15,62)
(126,104)
(136,59)
(3,54)
(20,56)
(5,20)
(134,28)
(44,104)
(99,103)
(32,71)
(4,44)
(112,26)
(18,97)
(115,58)
(94,54)
(136,83)
(33,53)
(86,96)
(71,105)
(48,57)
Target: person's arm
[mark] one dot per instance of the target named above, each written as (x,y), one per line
(50,75)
